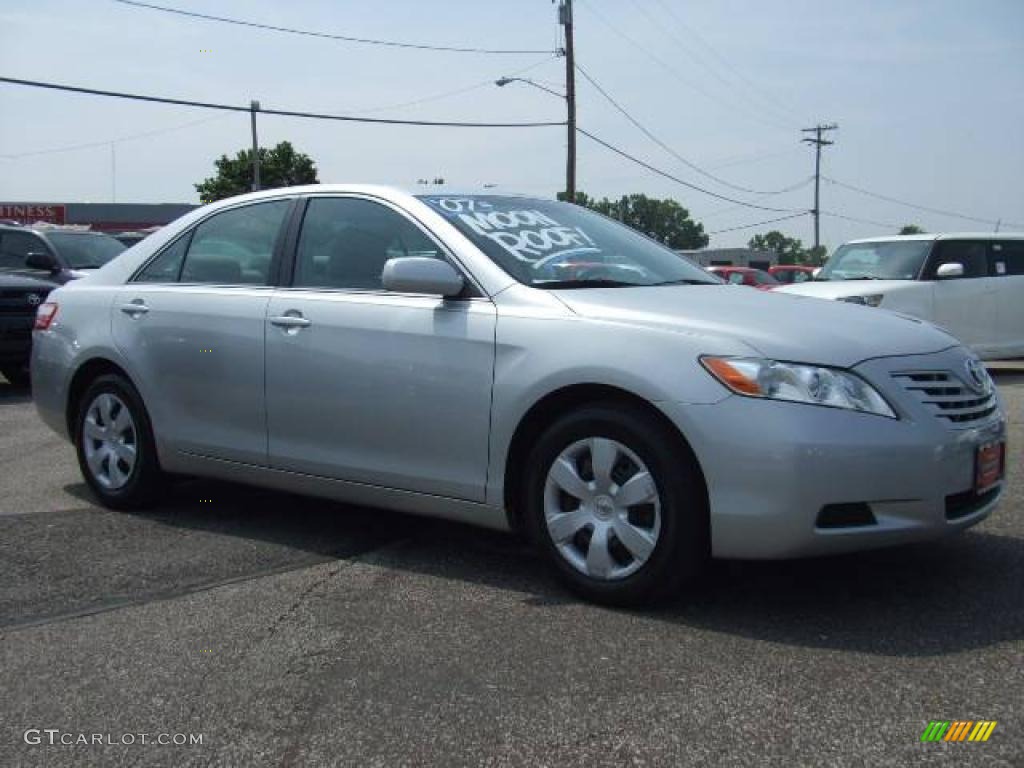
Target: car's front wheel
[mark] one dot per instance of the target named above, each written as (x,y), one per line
(116,451)
(617,504)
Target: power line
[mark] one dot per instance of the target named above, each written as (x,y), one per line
(325,35)
(118,140)
(757,223)
(677,180)
(488,83)
(769,101)
(859,220)
(938,211)
(752,157)
(679,157)
(673,71)
(279,112)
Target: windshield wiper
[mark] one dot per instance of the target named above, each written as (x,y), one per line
(592,283)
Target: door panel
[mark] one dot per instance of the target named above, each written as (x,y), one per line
(386,389)
(197,352)
(965,306)
(1008,271)
(197,347)
(370,386)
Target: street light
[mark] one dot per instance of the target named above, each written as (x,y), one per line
(503,81)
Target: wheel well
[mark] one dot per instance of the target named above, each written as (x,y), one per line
(80,382)
(557,403)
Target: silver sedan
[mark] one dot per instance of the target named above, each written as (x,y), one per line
(520,364)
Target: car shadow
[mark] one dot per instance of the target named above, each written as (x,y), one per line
(12,395)
(949,596)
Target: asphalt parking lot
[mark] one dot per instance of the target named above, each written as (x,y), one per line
(290,631)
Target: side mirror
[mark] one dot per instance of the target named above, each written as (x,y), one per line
(43,261)
(951,269)
(419,274)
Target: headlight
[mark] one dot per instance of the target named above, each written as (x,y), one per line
(871,300)
(754,377)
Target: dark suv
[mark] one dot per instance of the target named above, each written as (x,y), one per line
(32,263)
(20,297)
(54,255)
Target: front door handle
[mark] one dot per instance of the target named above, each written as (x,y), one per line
(290,321)
(135,308)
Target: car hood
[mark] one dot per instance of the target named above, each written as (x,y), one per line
(19,282)
(774,324)
(834,289)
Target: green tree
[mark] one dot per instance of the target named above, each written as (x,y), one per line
(281,166)
(790,250)
(663,220)
(911,229)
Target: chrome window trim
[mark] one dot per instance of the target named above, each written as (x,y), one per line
(133,280)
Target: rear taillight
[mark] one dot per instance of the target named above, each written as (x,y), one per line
(45,314)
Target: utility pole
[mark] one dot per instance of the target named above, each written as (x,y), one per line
(818,143)
(565,19)
(254,107)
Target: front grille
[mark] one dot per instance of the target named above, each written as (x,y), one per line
(15,302)
(948,397)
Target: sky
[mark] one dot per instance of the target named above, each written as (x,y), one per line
(928,96)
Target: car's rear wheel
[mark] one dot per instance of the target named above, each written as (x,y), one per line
(616,502)
(116,451)
(17,375)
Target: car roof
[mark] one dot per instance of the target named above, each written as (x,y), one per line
(942,236)
(48,230)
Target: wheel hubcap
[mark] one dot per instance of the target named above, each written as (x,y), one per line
(602,508)
(110,441)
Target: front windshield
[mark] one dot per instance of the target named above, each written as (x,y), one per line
(548,244)
(893,260)
(85,250)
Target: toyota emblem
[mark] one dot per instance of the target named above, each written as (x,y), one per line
(977,376)
(34,299)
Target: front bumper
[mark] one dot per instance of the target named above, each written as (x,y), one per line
(771,467)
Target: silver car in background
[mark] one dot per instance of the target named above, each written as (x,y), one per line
(521,364)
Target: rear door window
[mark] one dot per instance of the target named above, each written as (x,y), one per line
(235,247)
(1007,258)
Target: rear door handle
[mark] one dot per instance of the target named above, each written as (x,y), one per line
(290,321)
(134,308)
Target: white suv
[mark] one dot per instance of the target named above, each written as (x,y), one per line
(970,284)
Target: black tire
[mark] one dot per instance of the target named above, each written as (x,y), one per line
(146,479)
(682,548)
(17,375)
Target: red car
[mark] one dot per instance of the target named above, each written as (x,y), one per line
(792,273)
(756,278)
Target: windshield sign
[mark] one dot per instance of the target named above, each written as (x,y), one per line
(877,261)
(548,244)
